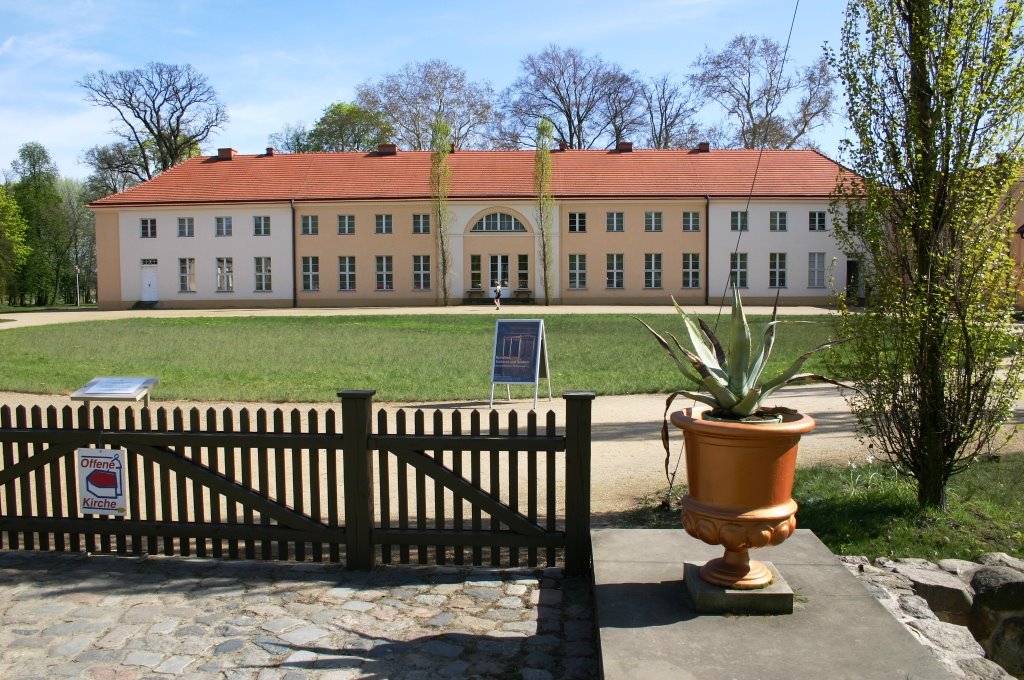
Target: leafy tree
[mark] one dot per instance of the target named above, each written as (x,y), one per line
(935,93)
(440,185)
(545,201)
(164,111)
(349,127)
(411,99)
(75,257)
(35,190)
(13,250)
(749,81)
(669,109)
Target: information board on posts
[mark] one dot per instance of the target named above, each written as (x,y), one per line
(520,354)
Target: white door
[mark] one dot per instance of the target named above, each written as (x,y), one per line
(499,272)
(149,287)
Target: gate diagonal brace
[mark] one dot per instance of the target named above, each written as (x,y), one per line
(486,502)
(218,483)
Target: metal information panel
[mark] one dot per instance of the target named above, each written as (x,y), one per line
(520,355)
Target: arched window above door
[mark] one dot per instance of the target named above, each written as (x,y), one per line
(498,221)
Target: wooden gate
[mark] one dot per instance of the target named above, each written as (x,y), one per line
(259,485)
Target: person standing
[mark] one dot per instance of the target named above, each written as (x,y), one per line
(497,294)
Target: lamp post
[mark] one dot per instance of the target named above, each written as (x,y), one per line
(78,289)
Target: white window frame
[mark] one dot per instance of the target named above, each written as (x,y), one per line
(615,221)
(615,271)
(261,225)
(691,270)
(817,220)
(778,220)
(577,223)
(421,223)
(738,270)
(261,274)
(652,220)
(147,227)
(186,227)
(310,273)
(777,277)
(383,223)
(385,273)
(421,272)
(498,221)
(652,270)
(346,272)
(222,226)
(310,225)
(346,225)
(739,220)
(815,270)
(186,274)
(476,272)
(225,269)
(577,271)
(691,220)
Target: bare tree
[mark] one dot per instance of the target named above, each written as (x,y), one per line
(622,105)
(670,109)
(293,138)
(410,100)
(115,167)
(164,111)
(750,81)
(565,86)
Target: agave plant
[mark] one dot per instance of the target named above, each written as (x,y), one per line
(733,379)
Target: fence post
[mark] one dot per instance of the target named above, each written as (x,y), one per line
(577,482)
(356,418)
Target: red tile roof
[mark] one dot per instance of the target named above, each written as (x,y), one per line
(486,174)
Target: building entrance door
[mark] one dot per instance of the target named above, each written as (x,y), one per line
(499,272)
(149,282)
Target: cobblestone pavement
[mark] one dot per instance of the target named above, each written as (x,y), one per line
(78,616)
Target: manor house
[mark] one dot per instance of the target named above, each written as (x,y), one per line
(353,228)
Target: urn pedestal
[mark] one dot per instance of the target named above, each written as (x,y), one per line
(740,485)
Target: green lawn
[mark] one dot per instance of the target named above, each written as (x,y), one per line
(413,358)
(869,510)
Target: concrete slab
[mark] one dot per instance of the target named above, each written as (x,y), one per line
(648,626)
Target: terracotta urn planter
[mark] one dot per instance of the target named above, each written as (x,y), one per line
(740,478)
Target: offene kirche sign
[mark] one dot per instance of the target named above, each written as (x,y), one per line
(520,355)
(101,487)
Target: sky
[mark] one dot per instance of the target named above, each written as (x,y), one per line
(273,63)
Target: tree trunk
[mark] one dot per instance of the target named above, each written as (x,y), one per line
(931,488)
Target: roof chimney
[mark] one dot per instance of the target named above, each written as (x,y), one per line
(624,147)
(704,147)
(226,154)
(387,149)
(562,146)
(271,151)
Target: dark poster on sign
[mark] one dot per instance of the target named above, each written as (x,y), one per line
(517,352)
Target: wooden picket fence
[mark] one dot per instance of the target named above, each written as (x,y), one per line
(252,484)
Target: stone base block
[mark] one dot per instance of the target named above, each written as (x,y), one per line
(708,598)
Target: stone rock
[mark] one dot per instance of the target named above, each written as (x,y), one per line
(999,589)
(916,562)
(977,668)
(915,606)
(1007,645)
(962,568)
(1001,559)
(945,593)
(949,640)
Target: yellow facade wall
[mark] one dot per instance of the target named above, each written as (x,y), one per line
(108,261)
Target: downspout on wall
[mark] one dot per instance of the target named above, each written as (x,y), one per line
(707,248)
(295,267)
